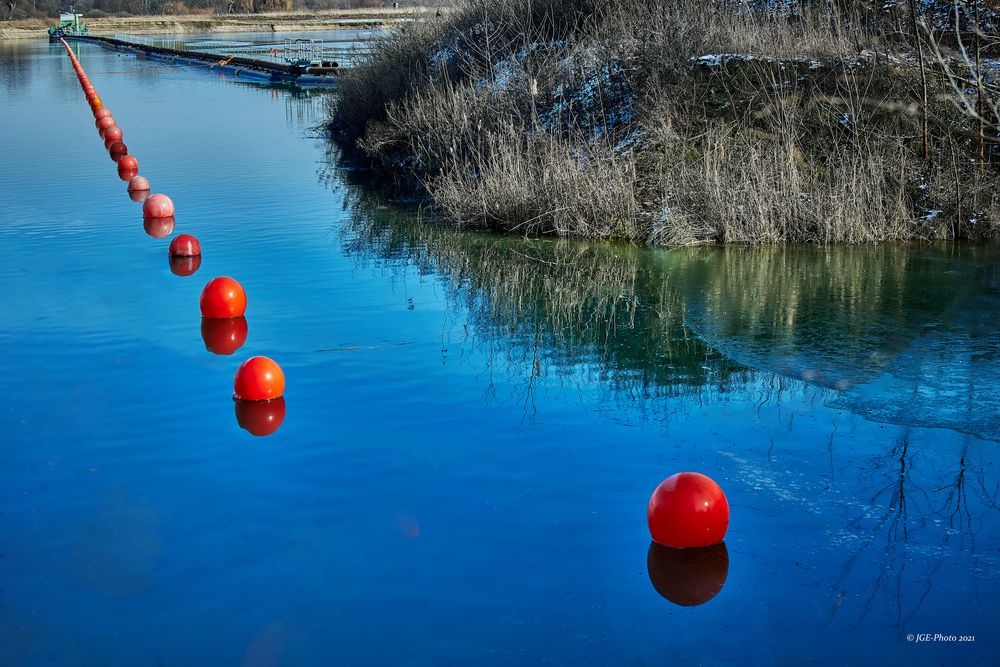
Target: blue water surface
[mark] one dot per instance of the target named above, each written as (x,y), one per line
(474,423)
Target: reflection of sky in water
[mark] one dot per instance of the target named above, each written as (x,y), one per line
(474,423)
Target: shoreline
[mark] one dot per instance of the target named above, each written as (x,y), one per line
(231,23)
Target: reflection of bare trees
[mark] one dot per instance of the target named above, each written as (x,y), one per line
(905,516)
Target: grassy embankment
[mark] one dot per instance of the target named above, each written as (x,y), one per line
(678,122)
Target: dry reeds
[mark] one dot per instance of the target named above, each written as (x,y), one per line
(671,122)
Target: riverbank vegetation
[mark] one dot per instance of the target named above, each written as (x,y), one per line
(687,121)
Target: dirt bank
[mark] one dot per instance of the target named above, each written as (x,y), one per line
(162,25)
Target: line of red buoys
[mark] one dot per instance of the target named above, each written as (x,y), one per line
(688,513)
(259,383)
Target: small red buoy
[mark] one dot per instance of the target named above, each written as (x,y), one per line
(111,135)
(185,245)
(138,196)
(138,183)
(127,174)
(223,297)
(260,418)
(117,150)
(158,228)
(128,163)
(222,336)
(259,379)
(158,206)
(688,510)
(103,112)
(186,266)
(688,577)
(103,122)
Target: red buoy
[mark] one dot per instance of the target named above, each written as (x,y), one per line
(158,206)
(222,336)
(138,183)
(186,266)
(688,510)
(223,297)
(127,174)
(158,228)
(95,101)
(111,135)
(103,112)
(117,150)
(138,196)
(259,379)
(185,245)
(260,418)
(128,163)
(104,122)
(688,577)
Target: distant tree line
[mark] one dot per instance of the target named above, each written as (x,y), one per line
(15,9)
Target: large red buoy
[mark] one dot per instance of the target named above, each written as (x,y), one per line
(222,336)
(128,163)
(259,379)
(688,577)
(158,206)
(223,297)
(688,510)
(186,266)
(158,228)
(185,245)
(138,183)
(260,418)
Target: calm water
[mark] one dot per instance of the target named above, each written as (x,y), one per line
(474,423)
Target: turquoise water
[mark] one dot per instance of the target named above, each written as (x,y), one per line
(474,423)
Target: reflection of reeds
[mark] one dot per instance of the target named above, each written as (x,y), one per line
(656,319)
(557,303)
(834,316)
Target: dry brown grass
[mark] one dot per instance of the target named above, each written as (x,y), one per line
(598,119)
